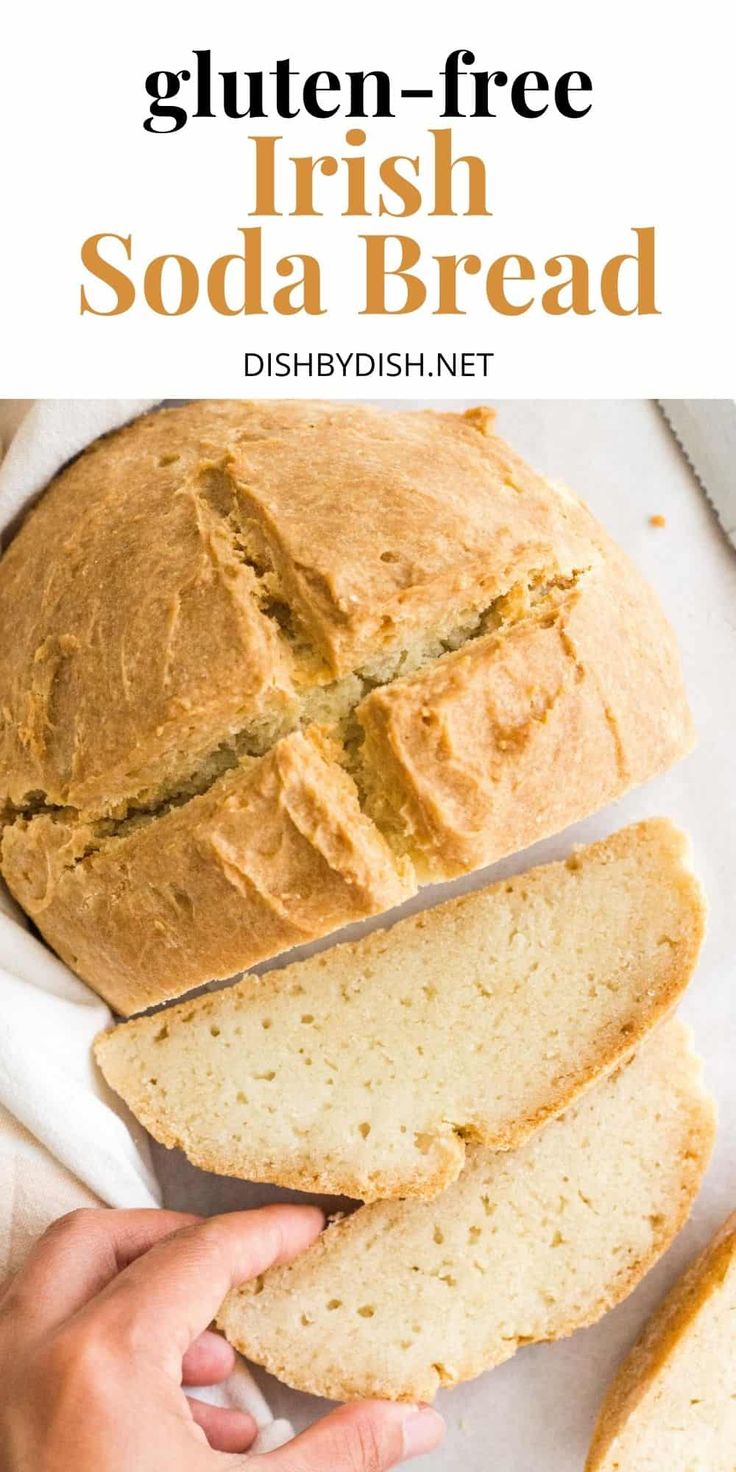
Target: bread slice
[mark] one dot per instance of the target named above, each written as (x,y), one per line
(406,1296)
(672,1406)
(203,595)
(365,1071)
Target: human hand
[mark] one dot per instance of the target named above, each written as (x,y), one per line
(108,1319)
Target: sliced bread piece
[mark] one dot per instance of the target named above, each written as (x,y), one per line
(403,1297)
(673,1403)
(365,1070)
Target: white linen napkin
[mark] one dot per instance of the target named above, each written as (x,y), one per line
(65,1138)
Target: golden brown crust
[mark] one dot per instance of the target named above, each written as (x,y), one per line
(379,524)
(272,855)
(468,749)
(132,591)
(661,1336)
(137,643)
(202,584)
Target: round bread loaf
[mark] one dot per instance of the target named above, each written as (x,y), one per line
(265,667)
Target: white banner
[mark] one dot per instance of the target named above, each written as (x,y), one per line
(598,259)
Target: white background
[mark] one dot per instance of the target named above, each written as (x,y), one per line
(656,149)
(535,1414)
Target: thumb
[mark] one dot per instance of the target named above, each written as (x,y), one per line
(370,1436)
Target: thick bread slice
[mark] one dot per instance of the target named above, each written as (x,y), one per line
(365,1070)
(406,1296)
(672,1406)
(200,587)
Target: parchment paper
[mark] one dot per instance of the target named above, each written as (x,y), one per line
(535,1414)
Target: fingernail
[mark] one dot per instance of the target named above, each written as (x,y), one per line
(423,1431)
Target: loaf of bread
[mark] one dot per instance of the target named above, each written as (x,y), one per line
(406,1296)
(366,1070)
(265,667)
(672,1406)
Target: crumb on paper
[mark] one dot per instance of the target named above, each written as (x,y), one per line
(658,520)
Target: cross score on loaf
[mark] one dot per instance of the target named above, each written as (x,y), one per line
(269,666)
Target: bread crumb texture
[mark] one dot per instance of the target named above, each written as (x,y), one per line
(672,1406)
(265,667)
(403,1297)
(367,1070)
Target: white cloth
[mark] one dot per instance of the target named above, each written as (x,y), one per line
(65,1139)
